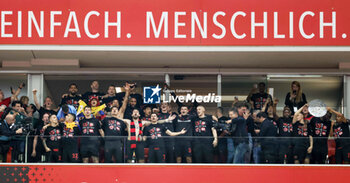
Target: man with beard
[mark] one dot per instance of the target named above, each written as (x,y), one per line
(71,98)
(285,132)
(320,128)
(94,93)
(183,147)
(89,143)
(205,137)
(155,132)
(257,100)
(114,128)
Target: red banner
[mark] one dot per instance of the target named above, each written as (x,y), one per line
(172,173)
(180,22)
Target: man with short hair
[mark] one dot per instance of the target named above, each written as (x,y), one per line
(154,134)
(93,93)
(6,131)
(70,133)
(205,137)
(268,132)
(89,143)
(221,149)
(114,129)
(183,147)
(257,100)
(73,97)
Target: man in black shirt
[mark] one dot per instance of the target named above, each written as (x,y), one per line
(257,100)
(221,150)
(204,132)
(114,130)
(94,93)
(89,141)
(70,133)
(169,141)
(5,133)
(52,140)
(285,132)
(72,98)
(183,147)
(268,131)
(46,108)
(38,152)
(155,133)
(340,130)
(110,97)
(320,128)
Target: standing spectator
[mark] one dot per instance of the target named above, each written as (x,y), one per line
(183,147)
(73,97)
(302,141)
(232,113)
(46,108)
(205,137)
(268,132)
(154,134)
(285,132)
(70,132)
(7,101)
(169,124)
(38,149)
(320,128)
(93,93)
(89,142)
(295,99)
(114,129)
(111,99)
(257,100)
(25,101)
(221,149)
(52,140)
(340,130)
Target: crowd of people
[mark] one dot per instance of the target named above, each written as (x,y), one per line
(117,128)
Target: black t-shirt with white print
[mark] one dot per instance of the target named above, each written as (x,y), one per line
(53,137)
(155,134)
(202,129)
(89,130)
(114,128)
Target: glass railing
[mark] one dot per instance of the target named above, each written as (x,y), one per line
(177,149)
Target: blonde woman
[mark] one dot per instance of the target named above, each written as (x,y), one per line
(295,99)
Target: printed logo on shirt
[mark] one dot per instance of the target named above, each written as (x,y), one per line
(320,129)
(338,132)
(151,94)
(302,131)
(155,133)
(55,135)
(88,128)
(287,127)
(200,126)
(114,125)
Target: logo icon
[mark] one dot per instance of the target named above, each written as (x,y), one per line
(151,94)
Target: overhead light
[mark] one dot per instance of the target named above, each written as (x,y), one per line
(292,76)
